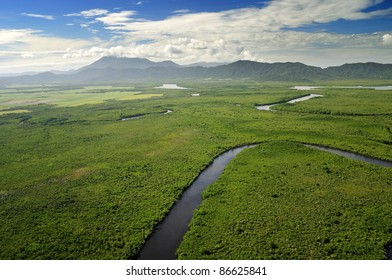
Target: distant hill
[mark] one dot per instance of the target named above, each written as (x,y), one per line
(204,64)
(120,63)
(368,70)
(41,78)
(268,71)
(121,70)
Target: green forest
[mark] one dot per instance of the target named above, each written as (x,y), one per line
(78,182)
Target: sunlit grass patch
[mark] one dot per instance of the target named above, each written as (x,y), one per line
(68,97)
(140,96)
(13,112)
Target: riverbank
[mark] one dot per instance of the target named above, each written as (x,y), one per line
(163,243)
(283,200)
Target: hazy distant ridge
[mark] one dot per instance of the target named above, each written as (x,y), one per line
(121,70)
(120,63)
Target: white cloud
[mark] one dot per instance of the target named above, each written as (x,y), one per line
(97,52)
(320,49)
(273,17)
(31,50)
(48,17)
(117,19)
(387,39)
(27,55)
(184,11)
(8,36)
(172,50)
(139,3)
(89,13)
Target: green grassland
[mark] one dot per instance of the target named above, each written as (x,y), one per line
(79,183)
(344,102)
(65,97)
(13,112)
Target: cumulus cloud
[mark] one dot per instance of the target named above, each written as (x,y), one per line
(8,36)
(387,39)
(33,45)
(30,40)
(97,52)
(117,19)
(27,55)
(172,50)
(89,13)
(273,17)
(48,17)
(320,49)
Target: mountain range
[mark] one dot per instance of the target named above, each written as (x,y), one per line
(114,70)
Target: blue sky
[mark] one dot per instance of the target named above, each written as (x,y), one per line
(43,35)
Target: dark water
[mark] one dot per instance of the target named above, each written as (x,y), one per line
(388,252)
(167,236)
(352,155)
(135,117)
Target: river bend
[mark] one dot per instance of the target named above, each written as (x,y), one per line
(167,236)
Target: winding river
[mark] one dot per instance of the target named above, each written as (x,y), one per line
(167,236)
(267,107)
(379,162)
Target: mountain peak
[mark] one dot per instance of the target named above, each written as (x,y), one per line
(120,63)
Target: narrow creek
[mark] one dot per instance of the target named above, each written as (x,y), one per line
(167,236)
(267,107)
(138,116)
(380,162)
(388,251)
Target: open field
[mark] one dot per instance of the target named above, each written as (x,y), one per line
(13,112)
(65,97)
(79,183)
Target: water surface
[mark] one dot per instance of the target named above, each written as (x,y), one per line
(167,236)
(352,155)
(354,87)
(170,86)
(135,117)
(267,107)
(389,251)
